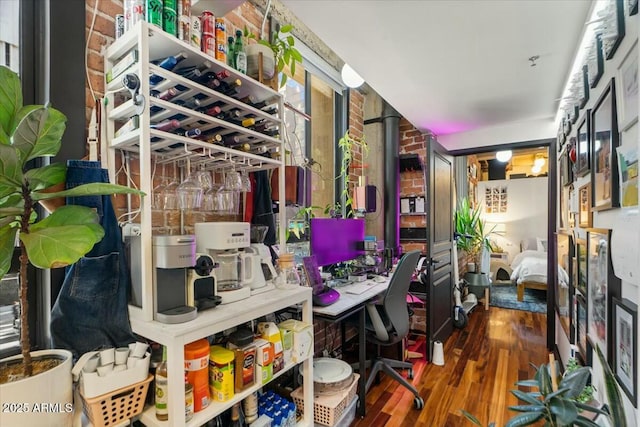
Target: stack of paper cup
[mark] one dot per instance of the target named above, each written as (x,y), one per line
(438,354)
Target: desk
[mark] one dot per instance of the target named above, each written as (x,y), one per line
(347,305)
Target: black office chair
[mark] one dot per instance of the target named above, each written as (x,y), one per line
(388,324)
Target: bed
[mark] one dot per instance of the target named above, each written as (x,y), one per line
(529,268)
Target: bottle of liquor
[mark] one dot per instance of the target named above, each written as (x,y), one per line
(165,94)
(240,54)
(189,103)
(168,63)
(235,416)
(223,74)
(213,138)
(166,126)
(231,140)
(231,58)
(194,72)
(272,109)
(189,133)
(246,122)
(162,396)
(211,110)
(233,114)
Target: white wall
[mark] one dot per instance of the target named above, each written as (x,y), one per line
(509,133)
(526,215)
(624,222)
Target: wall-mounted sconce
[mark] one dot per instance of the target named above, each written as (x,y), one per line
(350,78)
(503,156)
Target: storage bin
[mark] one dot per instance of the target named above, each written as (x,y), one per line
(118,406)
(328,408)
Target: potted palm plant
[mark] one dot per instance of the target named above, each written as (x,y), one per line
(28,132)
(472,231)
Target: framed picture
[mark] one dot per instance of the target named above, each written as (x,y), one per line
(625,355)
(584,83)
(614,27)
(595,61)
(628,167)
(628,89)
(581,326)
(582,278)
(632,6)
(604,140)
(583,157)
(585,215)
(564,295)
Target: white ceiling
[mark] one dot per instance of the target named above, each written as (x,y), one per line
(457,65)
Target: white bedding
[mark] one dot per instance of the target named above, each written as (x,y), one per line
(531,266)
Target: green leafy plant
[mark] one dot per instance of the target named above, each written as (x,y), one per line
(60,239)
(284,51)
(474,234)
(561,407)
(588,391)
(300,221)
(347,145)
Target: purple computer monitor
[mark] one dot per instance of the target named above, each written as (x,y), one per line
(334,240)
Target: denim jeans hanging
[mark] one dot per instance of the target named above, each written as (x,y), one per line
(91,311)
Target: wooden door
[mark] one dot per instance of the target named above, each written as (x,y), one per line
(440,190)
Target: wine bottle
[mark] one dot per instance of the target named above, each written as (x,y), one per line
(211,110)
(189,133)
(272,109)
(162,389)
(231,139)
(240,54)
(166,94)
(168,63)
(246,122)
(230,88)
(194,72)
(233,114)
(189,103)
(166,126)
(223,74)
(214,138)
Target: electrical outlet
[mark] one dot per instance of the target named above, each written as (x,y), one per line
(131,230)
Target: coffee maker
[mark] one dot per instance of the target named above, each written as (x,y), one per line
(172,257)
(264,272)
(201,292)
(222,241)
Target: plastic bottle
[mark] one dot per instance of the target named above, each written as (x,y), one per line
(162,389)
(235,416)
(239,53)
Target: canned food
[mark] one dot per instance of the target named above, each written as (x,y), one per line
(154,12)
(170,17)
(208,41)
(184,20)
(195,32)
(221,40)
(119,25)
(133,12)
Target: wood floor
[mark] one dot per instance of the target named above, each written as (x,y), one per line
(482,363)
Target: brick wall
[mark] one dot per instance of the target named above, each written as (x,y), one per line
(412,183)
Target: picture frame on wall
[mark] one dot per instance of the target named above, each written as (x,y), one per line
(582,277)
(632,7)
(628,88)
(595,61)
(604,140)
(564,294)
(625,355)
(585,216)
(627,155)
(583,157)
(581,326)
(615,30)
(585,86)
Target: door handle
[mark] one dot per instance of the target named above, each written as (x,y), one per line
(434,261)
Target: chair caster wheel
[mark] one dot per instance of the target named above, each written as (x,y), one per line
(418,403)
(410,374)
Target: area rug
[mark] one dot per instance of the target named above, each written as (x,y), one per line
(505,296)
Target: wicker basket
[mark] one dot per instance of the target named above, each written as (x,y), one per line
(120,405)
(328,408)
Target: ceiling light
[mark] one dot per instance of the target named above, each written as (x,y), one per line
(536,169)
(350,78)
(539,161)
(503,156)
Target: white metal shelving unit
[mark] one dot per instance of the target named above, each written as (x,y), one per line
(146,144)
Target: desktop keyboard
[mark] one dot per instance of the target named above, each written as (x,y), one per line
(357,288)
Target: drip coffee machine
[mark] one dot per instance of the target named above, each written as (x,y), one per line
(201,292)
(222,241)
(264,272)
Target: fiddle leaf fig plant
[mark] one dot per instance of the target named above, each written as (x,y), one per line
(67,234)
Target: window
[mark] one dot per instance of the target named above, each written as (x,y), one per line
(7,55)
(312,126)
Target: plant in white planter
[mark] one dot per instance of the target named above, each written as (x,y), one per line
(279,53)
(60,239)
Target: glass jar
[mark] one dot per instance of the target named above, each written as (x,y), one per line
(288,271)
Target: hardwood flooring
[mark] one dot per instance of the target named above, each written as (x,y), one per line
(482,364)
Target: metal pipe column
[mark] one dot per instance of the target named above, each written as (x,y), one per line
(391,123)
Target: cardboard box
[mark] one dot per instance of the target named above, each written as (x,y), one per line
(264,373)
(264,352)
(302,339)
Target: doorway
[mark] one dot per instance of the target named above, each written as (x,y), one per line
(498,186)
